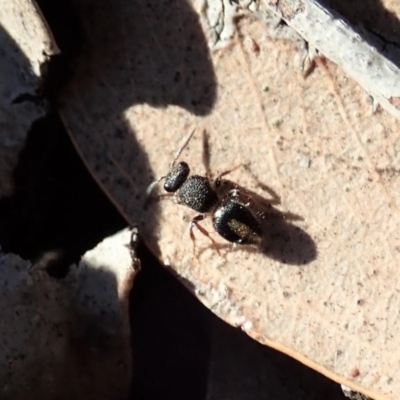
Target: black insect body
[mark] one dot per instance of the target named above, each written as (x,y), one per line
(230,211)
(235,223)
(176,177)
(195,192)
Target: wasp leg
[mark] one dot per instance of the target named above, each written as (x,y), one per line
(218,180)
(252,202)
(263,210)
(195,223)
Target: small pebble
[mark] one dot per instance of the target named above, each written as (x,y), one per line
(305,162)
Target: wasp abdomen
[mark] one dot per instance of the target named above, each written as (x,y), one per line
(235,223)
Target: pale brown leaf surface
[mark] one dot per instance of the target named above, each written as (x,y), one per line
(358,36)
(67,338)
(323,290)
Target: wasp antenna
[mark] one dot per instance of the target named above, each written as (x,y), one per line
(184,144)
(206,154)
(152,185)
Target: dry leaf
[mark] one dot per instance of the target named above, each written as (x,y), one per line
(67,338)
(367,55)
(322,289)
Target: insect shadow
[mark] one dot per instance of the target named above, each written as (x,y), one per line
(281,240)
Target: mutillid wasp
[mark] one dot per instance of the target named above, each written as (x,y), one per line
(235,215)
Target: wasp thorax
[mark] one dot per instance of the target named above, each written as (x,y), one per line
(197,193)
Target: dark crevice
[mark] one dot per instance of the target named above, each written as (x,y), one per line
(27,97)
(170,336)
(57,212)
